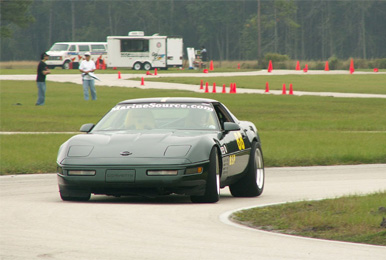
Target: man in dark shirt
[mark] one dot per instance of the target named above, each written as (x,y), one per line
(41,79)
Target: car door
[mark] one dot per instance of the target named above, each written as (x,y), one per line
(235,146)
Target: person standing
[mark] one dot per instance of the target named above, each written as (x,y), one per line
(88,66)
(204,54)
(42,71)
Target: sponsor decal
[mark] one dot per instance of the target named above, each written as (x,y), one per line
(164,105)
(223,149)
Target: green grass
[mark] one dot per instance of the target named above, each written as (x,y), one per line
(294,130)
(350,218)
(30,153)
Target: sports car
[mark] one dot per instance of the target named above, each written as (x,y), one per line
(163,146)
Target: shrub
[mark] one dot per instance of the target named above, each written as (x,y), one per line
(333,62)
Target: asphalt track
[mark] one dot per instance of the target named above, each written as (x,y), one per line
(36,224)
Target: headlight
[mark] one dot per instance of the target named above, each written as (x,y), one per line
(195,170)
(81,173)
(161,172)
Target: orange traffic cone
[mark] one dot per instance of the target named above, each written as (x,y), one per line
(291,91)
(114,68)
(202,84)
(284,90)
(206,87)
(297,65)
(224,89)
(305,68)
(234,88)
(352,66)
(142,81)
(211,65)
(155,72)
(238,66)
(214,87)
(119,75)
(270,66)
(231,88)
(326,67)
(376,70)
(266,87)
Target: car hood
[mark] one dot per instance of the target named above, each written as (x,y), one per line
(148,147)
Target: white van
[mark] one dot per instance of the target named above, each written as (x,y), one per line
(63,53)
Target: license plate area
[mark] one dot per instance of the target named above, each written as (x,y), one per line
(120,176)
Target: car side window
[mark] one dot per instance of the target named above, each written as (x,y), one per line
(72,48)
(84,48)
(222,117)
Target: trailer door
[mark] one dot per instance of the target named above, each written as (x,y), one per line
(175,52)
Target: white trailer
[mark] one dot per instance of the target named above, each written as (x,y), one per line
(138,51)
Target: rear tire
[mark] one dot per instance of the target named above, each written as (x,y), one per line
(147,66)
(252,183)
(212,190)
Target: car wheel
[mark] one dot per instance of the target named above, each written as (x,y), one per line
(66,65)
(137,66)
(212,190)
(77,195)
(252,183)
(146,66)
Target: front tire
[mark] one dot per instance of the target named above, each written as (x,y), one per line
(137,66)
(252,183)
(212,190)
(66,65)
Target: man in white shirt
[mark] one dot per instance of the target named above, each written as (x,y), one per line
(88,66)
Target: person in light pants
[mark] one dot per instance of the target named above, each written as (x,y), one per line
(86,67)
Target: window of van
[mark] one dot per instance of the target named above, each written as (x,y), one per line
(59,47)
(84,48)
(134,45)
(72,48)
(97,47)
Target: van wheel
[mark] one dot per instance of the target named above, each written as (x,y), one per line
(146,66)
(66,65)
(137,66)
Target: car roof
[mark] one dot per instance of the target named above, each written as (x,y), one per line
(169,99)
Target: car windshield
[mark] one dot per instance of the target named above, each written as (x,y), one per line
(141,116)
(59,47)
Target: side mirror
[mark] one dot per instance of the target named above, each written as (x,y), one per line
(86,127)
(230,126)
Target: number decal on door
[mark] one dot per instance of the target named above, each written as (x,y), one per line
(240,141)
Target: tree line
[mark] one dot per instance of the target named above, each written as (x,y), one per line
(229,29)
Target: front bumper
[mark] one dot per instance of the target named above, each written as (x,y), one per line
(126,180)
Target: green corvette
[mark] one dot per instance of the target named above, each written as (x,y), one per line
(162,146)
